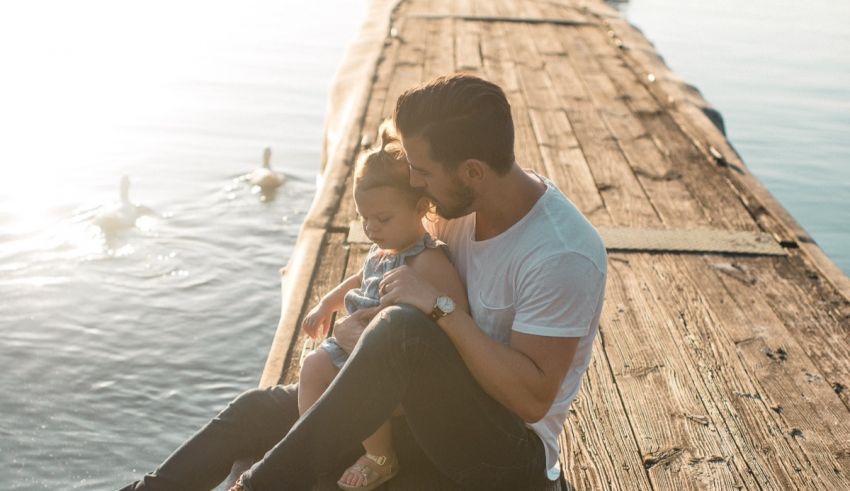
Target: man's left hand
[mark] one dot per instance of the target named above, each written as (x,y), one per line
(404,285)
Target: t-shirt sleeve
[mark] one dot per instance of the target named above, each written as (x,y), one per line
(559,297)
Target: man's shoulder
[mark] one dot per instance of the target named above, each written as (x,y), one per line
(449,230)
(560,230)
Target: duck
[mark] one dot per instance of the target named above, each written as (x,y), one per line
(264,177)
(123,214)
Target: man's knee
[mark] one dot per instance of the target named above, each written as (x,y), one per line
(255,405)
(397,323)
(251,401)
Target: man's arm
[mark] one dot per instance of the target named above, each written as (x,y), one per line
(526,375)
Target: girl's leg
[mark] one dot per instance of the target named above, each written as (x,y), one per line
(404,358)
(378,444)
(317,373)
(381,441)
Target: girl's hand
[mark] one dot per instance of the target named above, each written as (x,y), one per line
(317,320)
(348,330)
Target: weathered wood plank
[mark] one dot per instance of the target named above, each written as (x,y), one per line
(563,10)
(329,272)
(410,60)
(464,7)
(662,390)
(468,44)
(725,342)
(468,47)
(488,8)
(599,450)
(624,198)
(440,51)
(423,7)
(663,184)
(529,9)
(814,314)
(565,164)
(563,157)
(684,160)
(500,66)
(294,293)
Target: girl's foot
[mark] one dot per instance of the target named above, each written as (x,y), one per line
(369,472)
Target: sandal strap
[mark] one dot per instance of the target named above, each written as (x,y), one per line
(378,459)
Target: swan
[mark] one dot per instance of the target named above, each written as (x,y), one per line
(264,177)
(123,214)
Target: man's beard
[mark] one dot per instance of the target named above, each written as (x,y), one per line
(461,198)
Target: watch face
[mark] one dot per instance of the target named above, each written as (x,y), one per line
(446,304)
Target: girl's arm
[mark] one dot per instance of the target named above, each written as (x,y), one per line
(319,317)
(335,298)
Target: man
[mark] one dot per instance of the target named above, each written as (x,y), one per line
(485,395)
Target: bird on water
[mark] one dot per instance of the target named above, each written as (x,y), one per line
(122,214)
(264,177)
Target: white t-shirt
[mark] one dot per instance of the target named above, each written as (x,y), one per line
(543,276)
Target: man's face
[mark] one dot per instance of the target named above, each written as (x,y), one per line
(446,190)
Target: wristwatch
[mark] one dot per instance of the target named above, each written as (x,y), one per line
(442,307)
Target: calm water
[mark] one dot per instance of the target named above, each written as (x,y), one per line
(114,351)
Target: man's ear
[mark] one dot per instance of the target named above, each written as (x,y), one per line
(474,169)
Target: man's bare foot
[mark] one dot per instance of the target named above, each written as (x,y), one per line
(369,472)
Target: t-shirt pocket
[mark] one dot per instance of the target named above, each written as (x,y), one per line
(494,315)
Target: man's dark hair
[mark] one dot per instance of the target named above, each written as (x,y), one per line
(461,117)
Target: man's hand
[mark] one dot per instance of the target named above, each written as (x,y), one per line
(404,285)
(348,330)
(319,318)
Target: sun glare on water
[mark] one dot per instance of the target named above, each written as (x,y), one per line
(77,75)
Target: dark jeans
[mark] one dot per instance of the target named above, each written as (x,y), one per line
(403,358)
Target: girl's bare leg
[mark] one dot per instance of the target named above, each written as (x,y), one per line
(317,373)
(381,441)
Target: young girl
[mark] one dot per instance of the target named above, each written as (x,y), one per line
(391,212)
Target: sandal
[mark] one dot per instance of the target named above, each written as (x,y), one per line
(367,466)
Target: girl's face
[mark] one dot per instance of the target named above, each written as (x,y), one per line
(387,217)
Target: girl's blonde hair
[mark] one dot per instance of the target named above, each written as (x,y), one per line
(384,164)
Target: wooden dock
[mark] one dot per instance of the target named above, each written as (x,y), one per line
(715,367)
